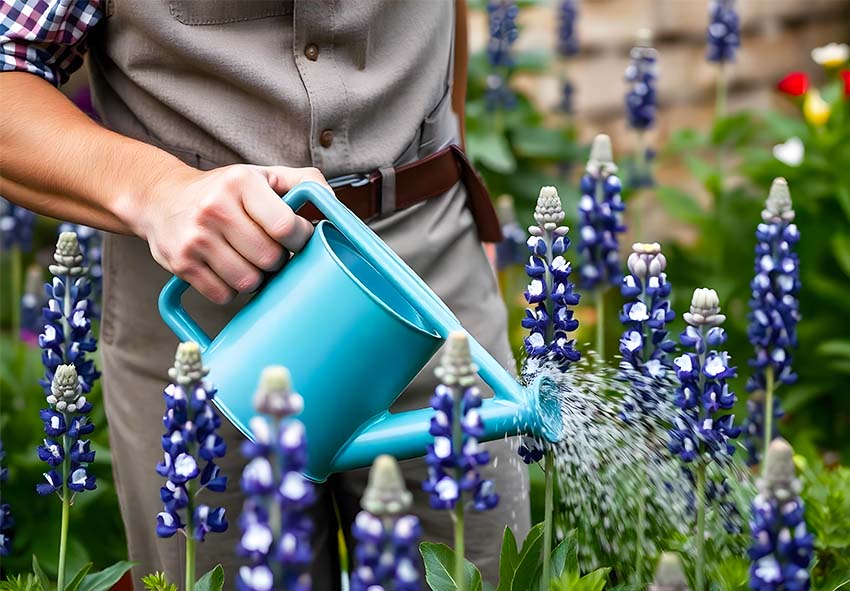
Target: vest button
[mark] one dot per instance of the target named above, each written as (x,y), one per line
(326,138)
(312,52)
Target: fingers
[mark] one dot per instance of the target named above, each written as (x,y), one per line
(250,240)
(208,283)
(277,219)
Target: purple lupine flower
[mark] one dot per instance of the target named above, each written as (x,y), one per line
(66,336)
(774,308)
(275,526)
(6,521)
(600,218)
(724,31)
(781,550)
(67,456)
(387,540)
(511,250)
(16,226)
(646,313)
(191,423)
(90,241)
(641,103)
(32,303)
(567,38)
(453,461)
(701,431)
(503,33)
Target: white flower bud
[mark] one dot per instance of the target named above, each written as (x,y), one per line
(65,390)
(705,309)
(780,478)
(601,161)
(68,256)
(274,396)
(646,260)
(188,366)
(456,366)
(385,493)
(548,213)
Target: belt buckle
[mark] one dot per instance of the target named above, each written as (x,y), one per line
(349,180)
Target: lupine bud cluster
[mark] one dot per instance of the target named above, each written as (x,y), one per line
(191,424)
(781,548)
(774,307)
(455,456)
(724,31)
(503,33)
(275,525)
(16,226)
(67,336)
(600,217)
(701,432)
(6,521)
(644,344)
(63,450)
(90,246)
(640,76)
(387,539)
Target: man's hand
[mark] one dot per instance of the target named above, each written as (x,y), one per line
(220,230)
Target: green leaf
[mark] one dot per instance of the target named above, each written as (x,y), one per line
(507,560)
(835,347)
(439,562)
(843,196)
(105,579)
(78,578)
(679,204)
(529,563)
(565,557)
(19,583)
(212,581)
(157,582)
(39,573)
(492,150)
(593,581)
(841,250)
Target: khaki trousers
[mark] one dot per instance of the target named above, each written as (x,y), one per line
(438,240)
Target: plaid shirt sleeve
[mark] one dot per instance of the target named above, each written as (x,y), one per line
(46,37)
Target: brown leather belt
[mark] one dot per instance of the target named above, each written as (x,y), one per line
(416,182)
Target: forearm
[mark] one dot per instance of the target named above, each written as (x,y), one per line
(56,161)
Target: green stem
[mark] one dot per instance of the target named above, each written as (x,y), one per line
(700,550)
(548,517)
(722,91)
(457,442)
(641,171)
(66,511)
(16,279)
(600,323)
(768,416)
(190,540)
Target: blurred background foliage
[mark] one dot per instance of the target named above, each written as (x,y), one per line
(730,163)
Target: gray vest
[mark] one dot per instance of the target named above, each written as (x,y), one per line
(344,86)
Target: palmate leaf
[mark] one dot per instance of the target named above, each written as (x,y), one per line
(439,562)
(157,582)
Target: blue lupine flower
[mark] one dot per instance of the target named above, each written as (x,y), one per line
(32,303)
(191,424)
(782,548)
(774,308)
(66,336)
(600,217)
(511,250)
(453,465)
(641,75)
(386,556)
(567,38)
(90,245)
(6,521)
(724,31)
(550,295)
(644,344)
(16,226)
(503,33)
(275,526)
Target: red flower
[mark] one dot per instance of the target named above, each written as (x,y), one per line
(845,74)
(794,84)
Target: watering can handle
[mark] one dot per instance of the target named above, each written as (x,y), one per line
(374,250)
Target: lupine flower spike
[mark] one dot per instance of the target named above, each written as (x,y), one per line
(455,456)
(510,251)
(774,314)
(782,548)
(701,433)
(723,38)
(16,226)
(90,246)
(567,47)
(669,575)
(67,336)
(646,313)
(503,33)
(641,101)
(275,526)
(6,521)
(191,425)
(387,539)
(32,303)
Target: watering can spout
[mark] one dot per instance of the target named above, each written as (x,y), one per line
(533,411)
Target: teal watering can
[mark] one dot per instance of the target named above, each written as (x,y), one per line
(354,325)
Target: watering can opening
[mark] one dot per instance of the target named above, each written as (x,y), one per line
(369,279)
(548,408)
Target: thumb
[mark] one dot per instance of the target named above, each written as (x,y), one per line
(282,178)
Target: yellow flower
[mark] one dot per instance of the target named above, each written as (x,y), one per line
(815,109)
(831,55)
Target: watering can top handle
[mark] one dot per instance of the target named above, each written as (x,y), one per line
(184,326)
